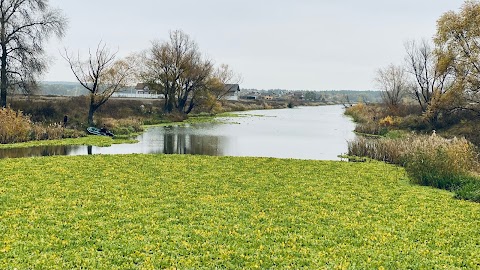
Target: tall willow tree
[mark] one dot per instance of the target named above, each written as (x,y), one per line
(177,69)
(25,26)
(458,36)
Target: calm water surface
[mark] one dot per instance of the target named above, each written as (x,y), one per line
(303,133)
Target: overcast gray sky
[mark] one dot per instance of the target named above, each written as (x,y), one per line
(287,44)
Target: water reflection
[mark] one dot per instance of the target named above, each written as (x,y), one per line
(305,133)
(176,142)
(39,151)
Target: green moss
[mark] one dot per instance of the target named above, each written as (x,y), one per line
(199,119)
(190,212)
(396,134)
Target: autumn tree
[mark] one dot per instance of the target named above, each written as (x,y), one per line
(25,26)
(458,34)
(220,84)
(101,75)
(177,69)
(393,83)
(224,75)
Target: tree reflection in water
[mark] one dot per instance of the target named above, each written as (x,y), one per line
(182,143)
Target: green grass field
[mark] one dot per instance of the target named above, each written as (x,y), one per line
(192,212)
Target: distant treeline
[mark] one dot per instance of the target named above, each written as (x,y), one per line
(64,89)
(346,96)
(338,96)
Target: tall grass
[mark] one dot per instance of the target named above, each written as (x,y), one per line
(16,127)
(429,160)
(371,128)
(433,160)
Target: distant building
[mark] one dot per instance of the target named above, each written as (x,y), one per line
(232,91)
(142,88)
(299,95)
(251,95)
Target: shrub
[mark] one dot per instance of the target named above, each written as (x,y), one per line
(362,113)
(51,132)
(357,112)
(72,133)
(387,121)
(14,126)
(122,126)
(413,122)
(371,128)
(469,191)
(176,117)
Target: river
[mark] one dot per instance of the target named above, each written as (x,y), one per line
(302,133)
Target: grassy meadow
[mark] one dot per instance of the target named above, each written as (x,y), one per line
(159,211)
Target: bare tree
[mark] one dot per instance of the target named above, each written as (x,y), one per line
(25,26)
(101,75)
(432,74)
(177,70)
(393,83)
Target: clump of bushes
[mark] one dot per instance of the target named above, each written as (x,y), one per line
(16,127)
(370,119)
(362,113)
(123,126)
(428,160)
(40,132)
(371,128)
(376,119)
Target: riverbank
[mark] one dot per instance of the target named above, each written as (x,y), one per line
(104,141)
(181,211)
(53,118)
(432,160)
(127,128)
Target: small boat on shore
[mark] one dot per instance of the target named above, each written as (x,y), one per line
(99,131)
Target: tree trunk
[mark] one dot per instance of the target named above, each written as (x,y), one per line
(181,105)
(190,107)
(91,110)
(169,102)
(3,77)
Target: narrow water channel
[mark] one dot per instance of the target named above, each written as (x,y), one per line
(304,133)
